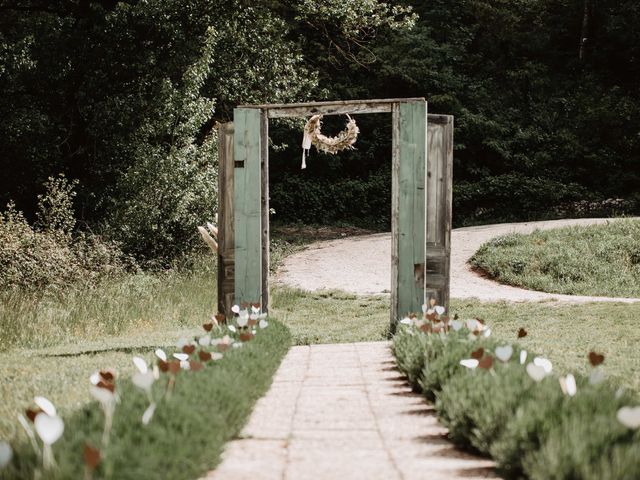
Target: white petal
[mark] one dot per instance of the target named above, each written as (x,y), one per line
(6,453)
(140,364)
(204,341)
(216,356)
(570,383)
(456,325)
(49,428)
(536,372)
(95,378)
(629,417)
(148,414)
(263,324)
(231,328)
(469,363)
(255,310)
(523,356)
(504,352)
(46,406)
(181,356)
(184,364)
(406,321)
(235,309)
(439,310)
(161,355)
(242,321)
(544,363)
(487,332)
(237,345)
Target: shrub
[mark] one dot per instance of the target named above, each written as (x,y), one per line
(531,429)
(410,351)
(443,362)
(476,405)
(49,256)
(582,437)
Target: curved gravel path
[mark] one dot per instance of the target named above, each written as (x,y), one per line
(361,265)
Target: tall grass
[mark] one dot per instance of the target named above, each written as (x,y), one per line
(136,302)
(595,260)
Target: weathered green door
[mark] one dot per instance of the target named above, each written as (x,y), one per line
(247,206)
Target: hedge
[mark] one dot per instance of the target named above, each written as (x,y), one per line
(531,429)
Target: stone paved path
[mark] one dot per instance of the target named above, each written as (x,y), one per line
(341,412)
(362,265)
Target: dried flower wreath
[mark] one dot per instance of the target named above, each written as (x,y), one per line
(313,136)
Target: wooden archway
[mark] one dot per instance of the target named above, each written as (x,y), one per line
(422,154)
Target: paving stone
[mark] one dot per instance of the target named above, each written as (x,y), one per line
(344,412)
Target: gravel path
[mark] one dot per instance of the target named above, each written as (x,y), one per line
(362,265)
(343,411)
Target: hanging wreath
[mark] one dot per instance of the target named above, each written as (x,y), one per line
(313,136)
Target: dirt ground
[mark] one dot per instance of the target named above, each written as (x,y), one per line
(361,264)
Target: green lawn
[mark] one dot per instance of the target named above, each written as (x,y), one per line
(565,333)
(601,260)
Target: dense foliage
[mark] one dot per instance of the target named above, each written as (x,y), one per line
(50,257)
(124,96)
(531,429)
(546,125)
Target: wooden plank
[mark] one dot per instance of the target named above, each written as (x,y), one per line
(338,107)
(395,168)
(226,239)
(247,200)
(411,206)
(439,193)
(264,175)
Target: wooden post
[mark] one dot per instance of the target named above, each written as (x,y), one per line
(248,209)
(264,175)
(226,238)
(408,208)
(439,188)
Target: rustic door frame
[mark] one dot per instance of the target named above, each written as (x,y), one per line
(420,230)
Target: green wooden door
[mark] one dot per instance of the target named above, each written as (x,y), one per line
(247,205)
(408,215)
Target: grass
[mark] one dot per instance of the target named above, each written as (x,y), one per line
(50,345)
(599,260)
(331,316)
(144,303)
(186,436)
(565,333)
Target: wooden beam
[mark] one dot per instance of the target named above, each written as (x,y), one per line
(247,199)
(395,167)
(265,241)
(338,107)
(226,238)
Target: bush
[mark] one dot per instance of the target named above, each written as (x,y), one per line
(531,429)
(49,256)
(443,362)
(476,405)
(583,436)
